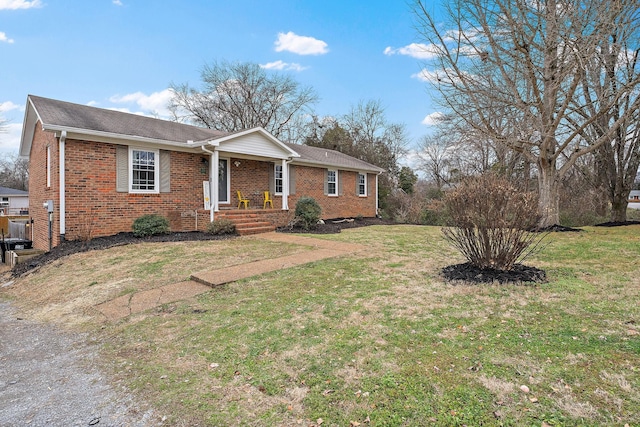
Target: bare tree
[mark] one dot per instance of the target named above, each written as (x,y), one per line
(511,69)
(618,159)
(239,96)
(14,172)
(365,133)
(435,160)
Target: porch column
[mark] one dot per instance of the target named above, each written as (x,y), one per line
(285,185)
(215,182)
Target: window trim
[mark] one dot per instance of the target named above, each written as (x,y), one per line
(276,179)
(48,161)
(363,184)
(227,178)
(335,193)
(156,171)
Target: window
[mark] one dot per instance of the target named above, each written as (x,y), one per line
(362,184)
(48,166)
(4,202)
(144,171)
(332,182)
(278,179)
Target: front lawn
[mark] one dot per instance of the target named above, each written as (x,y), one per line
(382,340)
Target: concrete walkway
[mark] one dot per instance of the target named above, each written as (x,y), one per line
(202,282)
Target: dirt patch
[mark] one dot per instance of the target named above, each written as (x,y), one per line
(470,273)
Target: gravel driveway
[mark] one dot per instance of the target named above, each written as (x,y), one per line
(50,378)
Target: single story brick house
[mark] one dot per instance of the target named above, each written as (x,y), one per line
(93,171)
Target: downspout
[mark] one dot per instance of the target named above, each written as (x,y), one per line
(377,196)
(63,203)
(213,206)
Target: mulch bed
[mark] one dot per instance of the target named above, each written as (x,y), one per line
(469,273)
(557,229)
(74,246)
(335,225)
(617,223)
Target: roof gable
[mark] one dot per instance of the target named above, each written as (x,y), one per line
(254,142)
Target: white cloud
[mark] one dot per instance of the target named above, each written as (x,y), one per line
(19,4)
(302,45)
(427,76)
(8,106)
(117,2)
(414,50)
(93,103)
(10,138)
(433,118)
(154,104)
(280,65)
(4,38)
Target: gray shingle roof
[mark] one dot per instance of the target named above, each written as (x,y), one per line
(324,156)
(67,114)
(6,191)
(61,114)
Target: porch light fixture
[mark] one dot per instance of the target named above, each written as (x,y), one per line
(237,163)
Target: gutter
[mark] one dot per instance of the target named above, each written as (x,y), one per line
(56,128)
(63,201)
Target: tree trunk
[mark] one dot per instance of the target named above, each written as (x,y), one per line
(548,203)
(619,204)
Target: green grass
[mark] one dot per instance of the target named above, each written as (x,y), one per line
(382,340)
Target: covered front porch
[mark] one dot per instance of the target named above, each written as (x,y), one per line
(247,171)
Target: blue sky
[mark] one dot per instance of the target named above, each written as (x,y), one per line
(123,54)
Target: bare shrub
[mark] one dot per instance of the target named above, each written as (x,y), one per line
(85,226)
(491,222)
(422,206)
(221,226)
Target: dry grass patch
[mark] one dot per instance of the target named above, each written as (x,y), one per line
(66,290)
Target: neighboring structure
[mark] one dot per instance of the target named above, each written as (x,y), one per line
(102,169)
(13,202)
(634,199)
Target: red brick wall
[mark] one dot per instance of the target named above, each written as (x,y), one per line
(310,183)
(251,177)
(38,190)
(94,208)
(94,205)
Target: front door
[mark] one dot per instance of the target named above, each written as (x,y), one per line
(223,181)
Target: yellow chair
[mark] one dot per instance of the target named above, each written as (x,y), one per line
(267,199)
(242,200)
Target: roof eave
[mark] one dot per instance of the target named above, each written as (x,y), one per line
(373,169)
(31,118)
(110,135)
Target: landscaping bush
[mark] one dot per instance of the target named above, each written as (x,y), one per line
(307,212)
(221,226)
(491,221)
(150,225)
